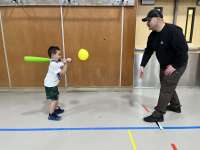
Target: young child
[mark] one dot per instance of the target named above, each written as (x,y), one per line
(52,79)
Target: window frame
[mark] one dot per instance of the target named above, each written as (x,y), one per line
(143,2)
(192,24)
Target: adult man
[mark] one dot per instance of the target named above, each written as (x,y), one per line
(170,46)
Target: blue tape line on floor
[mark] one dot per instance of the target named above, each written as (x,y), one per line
(78,129)
(100,128)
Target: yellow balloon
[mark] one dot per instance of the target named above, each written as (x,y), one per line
(83,54)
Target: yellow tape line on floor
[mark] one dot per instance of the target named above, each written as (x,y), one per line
(132,140)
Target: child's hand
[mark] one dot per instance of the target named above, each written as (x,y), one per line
(66,60)
(69,60)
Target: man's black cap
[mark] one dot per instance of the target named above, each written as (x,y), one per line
(153,13)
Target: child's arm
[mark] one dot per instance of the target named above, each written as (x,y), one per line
(64,68)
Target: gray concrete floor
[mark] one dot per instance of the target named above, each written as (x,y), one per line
(97,120)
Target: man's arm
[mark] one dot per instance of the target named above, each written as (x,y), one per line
(180,47)
(147,52)
(146,56)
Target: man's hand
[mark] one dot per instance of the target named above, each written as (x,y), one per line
(169,70)
(141,72)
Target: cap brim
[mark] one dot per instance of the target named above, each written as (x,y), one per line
(145,19)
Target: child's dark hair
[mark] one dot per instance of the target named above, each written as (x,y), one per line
(53,50)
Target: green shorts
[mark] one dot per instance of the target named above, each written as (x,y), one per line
(52,93)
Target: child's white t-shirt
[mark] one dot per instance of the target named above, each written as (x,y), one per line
(52,78)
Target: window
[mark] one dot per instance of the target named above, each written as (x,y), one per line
(198,2)
(147,2)
(189,24)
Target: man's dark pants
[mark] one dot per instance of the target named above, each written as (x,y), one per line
(168,93)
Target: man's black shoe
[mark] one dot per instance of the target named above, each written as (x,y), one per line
(174,109)
(153,118)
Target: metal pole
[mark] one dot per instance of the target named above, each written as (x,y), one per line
(175,11)
(5,51)
(63,38)
(122,45)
